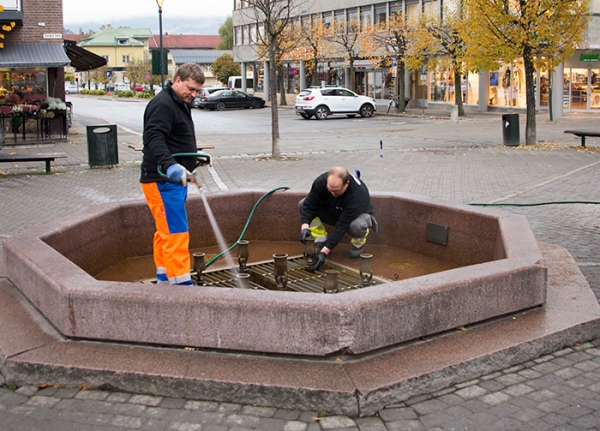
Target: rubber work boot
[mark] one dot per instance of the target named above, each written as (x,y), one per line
(355,252)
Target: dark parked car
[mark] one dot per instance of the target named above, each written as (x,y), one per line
(223,99)
(205,92)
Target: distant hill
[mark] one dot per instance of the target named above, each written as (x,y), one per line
(207,25)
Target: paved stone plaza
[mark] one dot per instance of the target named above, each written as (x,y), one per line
(454,162)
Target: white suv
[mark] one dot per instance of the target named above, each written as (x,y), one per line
(324,101)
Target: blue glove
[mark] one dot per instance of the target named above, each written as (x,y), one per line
(320,260)
(177,174)
(305,233)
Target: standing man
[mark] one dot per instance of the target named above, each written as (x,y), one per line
(343,201)
(169,129)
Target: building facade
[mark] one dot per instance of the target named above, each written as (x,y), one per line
(578,77)
(119,46)
(32,58)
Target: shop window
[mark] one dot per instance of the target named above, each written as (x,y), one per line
(22,86)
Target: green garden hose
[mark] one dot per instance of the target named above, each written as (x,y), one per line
(246,226)
(535,204)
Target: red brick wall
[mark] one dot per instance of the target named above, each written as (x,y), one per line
(49,12)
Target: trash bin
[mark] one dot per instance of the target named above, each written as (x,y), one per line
(102,145)
(510,130)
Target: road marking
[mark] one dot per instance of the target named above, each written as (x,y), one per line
(543,183)
(217,179)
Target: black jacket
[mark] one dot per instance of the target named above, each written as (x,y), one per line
(345,208)
(168,129)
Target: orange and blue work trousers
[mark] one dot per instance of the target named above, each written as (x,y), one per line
(166,201)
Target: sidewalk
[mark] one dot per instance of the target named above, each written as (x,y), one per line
(558,391)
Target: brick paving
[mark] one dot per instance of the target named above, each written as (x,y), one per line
(559,391)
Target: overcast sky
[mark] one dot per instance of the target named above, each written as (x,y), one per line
(107,11)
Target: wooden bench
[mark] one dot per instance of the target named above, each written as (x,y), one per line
(199,147)
(583,134)
(12,158)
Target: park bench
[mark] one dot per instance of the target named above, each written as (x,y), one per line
(583,134)
(49,157)
(199,147)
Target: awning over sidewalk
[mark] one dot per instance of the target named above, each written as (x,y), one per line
(33,55)
(81,58)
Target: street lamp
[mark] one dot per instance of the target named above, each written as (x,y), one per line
(162,65)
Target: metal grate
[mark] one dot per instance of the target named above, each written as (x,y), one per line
(298,279)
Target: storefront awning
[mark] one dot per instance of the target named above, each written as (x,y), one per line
(33,55)
(81,58)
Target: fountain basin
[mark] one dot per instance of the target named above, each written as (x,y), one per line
(500,271)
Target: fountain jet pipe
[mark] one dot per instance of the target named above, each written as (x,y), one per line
(243,280)
(366,272)
(281,270)
(243,255)
(199,265)
(309,254)
(331,281)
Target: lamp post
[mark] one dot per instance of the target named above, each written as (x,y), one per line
(162,65)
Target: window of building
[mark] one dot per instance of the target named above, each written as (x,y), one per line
(125,59)
(412,10)
(395,7)
(327,18)
(380,14)
(340,21)
(238,36)
(352,14)
(430,7)
(253,35)
(261,31)
(246,35)
(366,16)
(107,58)
(306,22)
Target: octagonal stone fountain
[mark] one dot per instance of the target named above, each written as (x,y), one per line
(494,298)
(498,270)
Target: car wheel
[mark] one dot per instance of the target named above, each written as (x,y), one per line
(350,115)
(220,106)
(321,112)
(366,110)
(306,116)
(256,104)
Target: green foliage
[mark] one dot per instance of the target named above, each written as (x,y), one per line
(123,93)
(226,33)
(144,95)
(224,67)
(11,385)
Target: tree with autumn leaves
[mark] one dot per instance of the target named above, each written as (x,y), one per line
(541,32)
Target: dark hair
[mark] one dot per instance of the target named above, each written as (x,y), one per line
(190,70)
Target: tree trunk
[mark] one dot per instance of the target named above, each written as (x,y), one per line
(530,128)
(400,70)
(458,93)
(281,80)
(273,97)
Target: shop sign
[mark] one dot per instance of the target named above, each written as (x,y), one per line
(589,57)
(53,36)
